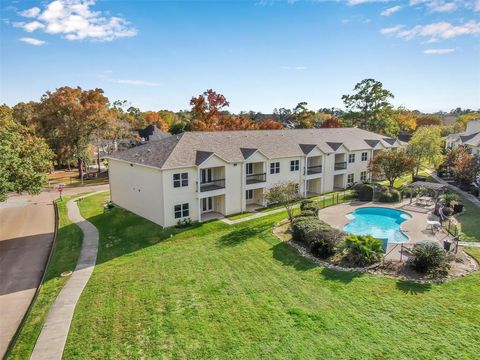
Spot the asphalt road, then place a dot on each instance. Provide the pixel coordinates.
(26, 234)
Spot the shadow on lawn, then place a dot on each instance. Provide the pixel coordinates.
(409, 287)
(289, 257)
(344, 277)
(239, 236)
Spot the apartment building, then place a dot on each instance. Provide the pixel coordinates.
(199, 174)
(470, 138)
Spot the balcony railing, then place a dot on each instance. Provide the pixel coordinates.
(316, 169)
(256, 178)
(212, 185)
(340, 165)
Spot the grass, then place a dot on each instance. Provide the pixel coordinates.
(239, 216)
(71, 179)
(235, 292)
(65, 255)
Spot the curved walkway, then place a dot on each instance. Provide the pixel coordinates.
(52, 339)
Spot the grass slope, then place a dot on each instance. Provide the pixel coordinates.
(236, 292)
(65, 255)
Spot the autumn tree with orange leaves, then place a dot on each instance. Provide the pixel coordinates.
(208, 115)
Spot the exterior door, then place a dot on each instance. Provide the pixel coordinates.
(207, 204)
(206, 176)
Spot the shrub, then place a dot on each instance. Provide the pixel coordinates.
(324, 241)
(182, 223)
(308, 205)
(429, 257)
(389, 195)
(305, 203)
(447, 211)
(301, 228)
(362, 250)
(364, 192)
(299, 218)
(449, 198)
(309, 213)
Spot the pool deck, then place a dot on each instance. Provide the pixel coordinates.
(415, 228)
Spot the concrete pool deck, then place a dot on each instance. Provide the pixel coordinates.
(415, 228)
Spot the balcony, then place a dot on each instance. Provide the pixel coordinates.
(340, 165)
(256, 178)
(212, 185)
(316, 169)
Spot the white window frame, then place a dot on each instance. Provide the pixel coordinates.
(181, 181)
(294, 165)
(275, 167)
(363, 176)
(183, 210)
(351, 158)
(249, 168)
(364, 156)
(348, 178)
(249, 194)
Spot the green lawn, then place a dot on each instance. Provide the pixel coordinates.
(235, 292)
(239, 216)
(64, 258)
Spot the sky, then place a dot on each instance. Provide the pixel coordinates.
(260, 54)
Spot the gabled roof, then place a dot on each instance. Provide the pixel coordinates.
(192, 148)
(202, 156)
(334, 145)
(372, 143)
(247, 152)
(389, 140)
(307, 148)
(468, 137)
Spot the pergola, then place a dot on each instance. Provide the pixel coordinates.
(435, 187)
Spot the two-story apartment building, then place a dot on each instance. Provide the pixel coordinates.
(470, 138)
(199, 173)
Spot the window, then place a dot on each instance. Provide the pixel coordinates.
(274, 168)
(351, 158)
(363, 176)
(249, 194)
(181, 211)
(180, 180)
(350, 179)
(206, 176)
(364, 156)
(294, 165)
(249, 169)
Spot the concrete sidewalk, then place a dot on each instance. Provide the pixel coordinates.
(52, 339)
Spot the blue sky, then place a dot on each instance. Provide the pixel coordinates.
(259, 54)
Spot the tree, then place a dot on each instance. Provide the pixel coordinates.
(207, 110)
(466, 168)
(68, 118)
(285, 194)
(406, 120)
(24, 158)
(429, 120)
(269, 124)
(302, 117)
(369, 108)
(154, 118)
(332, 122)
(179, 127)
(425, 147)
(392, 164)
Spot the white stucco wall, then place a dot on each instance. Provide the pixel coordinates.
(138, 189)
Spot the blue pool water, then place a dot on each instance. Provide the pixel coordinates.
(381, 223)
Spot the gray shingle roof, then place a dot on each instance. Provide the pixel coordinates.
(232, 146)
(246, 152)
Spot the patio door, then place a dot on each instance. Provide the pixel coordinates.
(206, 176)
(207, 204)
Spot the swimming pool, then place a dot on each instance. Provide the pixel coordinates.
(381, 223)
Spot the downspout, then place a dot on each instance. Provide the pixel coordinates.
(199, 208)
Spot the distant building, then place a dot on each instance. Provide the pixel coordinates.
(152, 133)
(470, 138)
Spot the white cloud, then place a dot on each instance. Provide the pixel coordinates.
(435, 31)
(476, 5)
(294, 67)
(438, 51)
(32, 41)
(134, 82)
(75, 20)
(441, 6)
(392, 30)
(391, 10)
(30, 12)
(359, 2)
